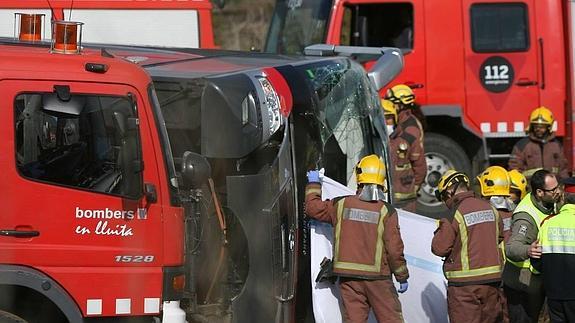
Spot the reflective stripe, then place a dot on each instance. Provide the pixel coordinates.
(559, 249)
(529, 172)
(404, 167)
(464, 240)
(400, 270)
(473, 272)
(376, 267)
(404, 196)
(313, 191)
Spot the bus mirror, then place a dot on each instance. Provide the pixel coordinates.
(387, 67)
(195, 170)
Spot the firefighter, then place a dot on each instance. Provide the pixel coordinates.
(468, 240)
(518, 188)
(557, 262)
(522, 283)
(404, 189)
(540, 149)
(495, 185)
(409, 159)
(365, 228)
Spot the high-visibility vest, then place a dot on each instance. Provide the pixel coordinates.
(526, 205)
(467, 270)
(557, 233)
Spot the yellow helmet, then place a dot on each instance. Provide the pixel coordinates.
(448, 179)
(400, 94)
(370, 170)
(518, 182)
(389, 109)
(541, 115)
(494, 181)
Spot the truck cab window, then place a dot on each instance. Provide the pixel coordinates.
(87, 142)
(378, 25)
(499, 27)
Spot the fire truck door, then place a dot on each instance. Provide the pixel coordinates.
(72, 184)
(390, 23)
(501, 64)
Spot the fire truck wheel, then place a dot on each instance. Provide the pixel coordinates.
(441, 154)
(6, 317)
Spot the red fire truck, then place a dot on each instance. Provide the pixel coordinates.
(166, 23)
(478, 67)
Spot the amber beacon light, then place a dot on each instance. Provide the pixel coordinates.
(66, 37)
(28, 27)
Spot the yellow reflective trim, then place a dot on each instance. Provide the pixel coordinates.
(473, 272)
(404, 196)
(464, 241)
(530, 172)
(400, 270)
(313, 191)
(497, 216)
(404, 167)
(376, 267)
(338, 228)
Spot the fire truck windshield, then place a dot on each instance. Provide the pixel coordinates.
(297, 23)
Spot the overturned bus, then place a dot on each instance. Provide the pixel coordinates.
(249, 127)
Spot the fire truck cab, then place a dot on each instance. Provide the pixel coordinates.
(86, 180)
(477, 67)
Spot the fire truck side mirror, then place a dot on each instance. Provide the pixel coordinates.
(195, 170)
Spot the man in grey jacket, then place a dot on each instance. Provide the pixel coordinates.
(522, 283)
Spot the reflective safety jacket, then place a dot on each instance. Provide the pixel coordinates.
(407, 156)
(367, 242)
(469, 242)
(526, 206)
(531, 154)
(557, 264)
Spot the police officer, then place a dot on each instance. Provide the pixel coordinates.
(557, 262)
(522, 284)
(407, 148)
(469, 242)
(402, 152)
(540, 149)
(368, 247)
(494, 182)
(518, 188)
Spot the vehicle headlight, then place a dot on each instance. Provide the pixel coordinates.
(272, 103)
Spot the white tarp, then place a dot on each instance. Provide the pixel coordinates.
(425, 300)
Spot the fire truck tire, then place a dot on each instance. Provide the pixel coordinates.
(441, 154)
(6, 317)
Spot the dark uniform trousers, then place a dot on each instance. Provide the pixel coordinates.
(356, 292)
(561, 311)
(474, 304)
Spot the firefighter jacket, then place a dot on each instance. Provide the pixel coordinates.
(531, 154)
(407, 156)
(506, 219)
(367, 242)
(469, 242)
(557, 263)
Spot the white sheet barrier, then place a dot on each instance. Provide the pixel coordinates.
(424, 301)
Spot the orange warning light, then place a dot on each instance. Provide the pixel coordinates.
(66, 37)
(28, 27)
